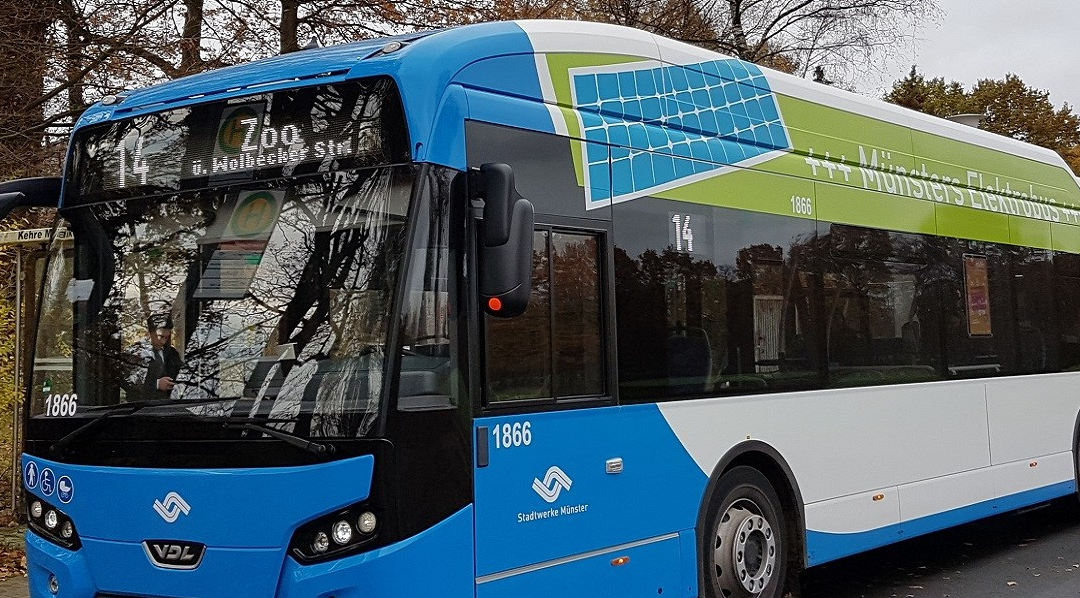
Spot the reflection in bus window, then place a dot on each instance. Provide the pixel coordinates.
(278, 297)
(555, 349)
(733, 313)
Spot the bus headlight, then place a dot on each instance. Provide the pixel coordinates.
(51, 523)
(334, 536)
(342, 532)
(366, 522)
(321, 543)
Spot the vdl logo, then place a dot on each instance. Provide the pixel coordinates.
(174, 554)
(173, 506)
(555, 481)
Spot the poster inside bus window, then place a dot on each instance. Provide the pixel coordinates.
(977, 295)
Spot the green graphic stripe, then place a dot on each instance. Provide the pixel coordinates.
(559, 66)
(841, 134)
(965, 223)
(861, 171)
(847, 205)
(1065, 237)
(765, 192)
(747, 189)
(847, 191)
(1031, 233)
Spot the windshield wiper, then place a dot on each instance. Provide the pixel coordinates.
(315, 448)
(108, 411)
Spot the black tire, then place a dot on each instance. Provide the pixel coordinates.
(1076, 462)
(745, 545)
(1076, 456)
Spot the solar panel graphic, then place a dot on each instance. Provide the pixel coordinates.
(670, 125)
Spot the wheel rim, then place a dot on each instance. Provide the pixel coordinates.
(745, 550)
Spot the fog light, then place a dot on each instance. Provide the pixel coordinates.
(35, 509)
(67, 530)
(342, 532)
(321, 542)
(54, 584)
(366, 522)
(51, 519)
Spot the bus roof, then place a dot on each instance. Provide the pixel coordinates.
(531, 66)
(458, 47)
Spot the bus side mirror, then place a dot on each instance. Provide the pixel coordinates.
(42, 192)
(506, 241)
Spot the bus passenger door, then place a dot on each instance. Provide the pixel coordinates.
(551, 502)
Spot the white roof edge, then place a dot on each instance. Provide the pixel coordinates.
(553, 36)
(606, 38)
(677, 52)
(785, 84)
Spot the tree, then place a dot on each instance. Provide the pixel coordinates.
(1008, 107)
(1072, 156)
(932, 97)
(25, 34)
(677, 19)
(1012, 108)
(66, 54)
(793, 36)
(810, 33)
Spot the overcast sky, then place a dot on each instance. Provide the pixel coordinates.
(1038, 40)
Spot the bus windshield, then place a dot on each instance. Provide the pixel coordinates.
(235, 258)
(274, 299)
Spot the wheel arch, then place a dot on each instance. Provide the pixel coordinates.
(767, 460)
(1076, 453)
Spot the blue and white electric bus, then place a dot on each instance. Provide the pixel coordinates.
(534, 309)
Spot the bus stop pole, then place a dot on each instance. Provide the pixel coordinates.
(16, 418)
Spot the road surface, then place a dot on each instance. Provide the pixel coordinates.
(1035, 554)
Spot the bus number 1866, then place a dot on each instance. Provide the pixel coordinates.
(510, 435)
(57, 405)
(804, 206)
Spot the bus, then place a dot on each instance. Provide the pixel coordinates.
(534, 308)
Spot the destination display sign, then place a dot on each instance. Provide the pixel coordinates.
(285, 133)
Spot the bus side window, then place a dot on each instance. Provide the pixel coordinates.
(1066, 276)
(980, 331)
(1032, 277)
(555, 349)
(713, 301)
(881, 309)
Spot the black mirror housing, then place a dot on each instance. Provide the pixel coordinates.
(41, 192)
(506, 241)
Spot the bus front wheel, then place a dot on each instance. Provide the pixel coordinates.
(744, 552)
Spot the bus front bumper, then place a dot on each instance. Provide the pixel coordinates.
(437, 561)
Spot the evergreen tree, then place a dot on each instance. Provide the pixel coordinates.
(1008, 107)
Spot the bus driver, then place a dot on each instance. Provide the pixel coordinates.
(161, 360)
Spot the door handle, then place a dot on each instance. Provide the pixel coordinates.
(614, 465)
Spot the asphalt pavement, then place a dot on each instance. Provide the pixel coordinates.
(1033, 554)
(14, 587)
(11, 537)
